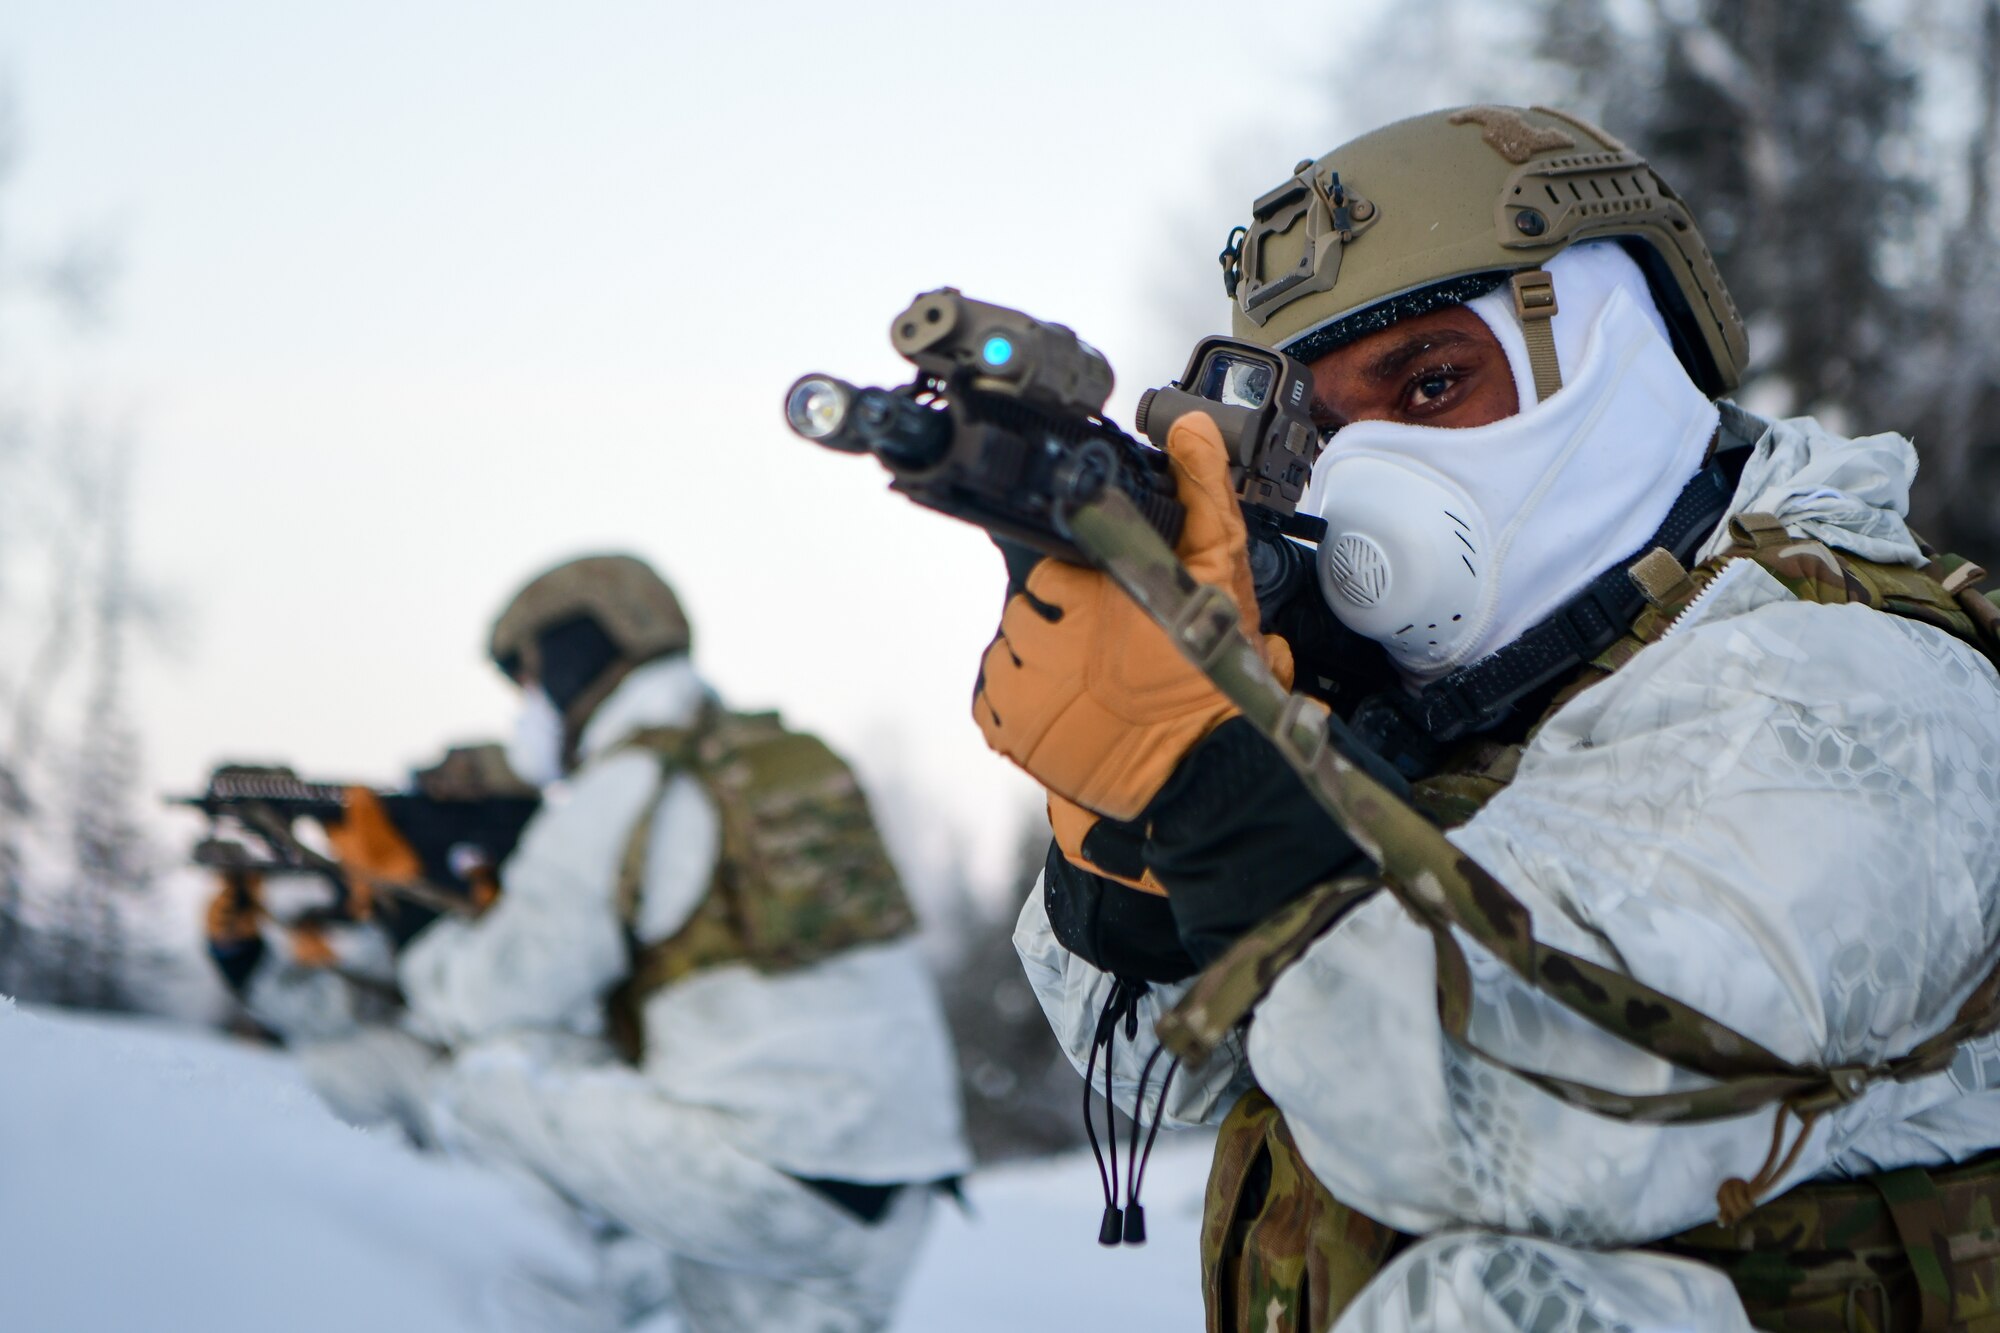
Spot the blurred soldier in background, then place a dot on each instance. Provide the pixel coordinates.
(308, 943)
(698, 1010)
(1690, 1024)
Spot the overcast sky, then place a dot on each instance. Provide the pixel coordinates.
(420, 298)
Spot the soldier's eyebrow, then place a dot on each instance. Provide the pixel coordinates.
(1390, 363)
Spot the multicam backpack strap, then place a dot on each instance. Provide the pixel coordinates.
(1278, 1253)
(801, 873)
(1943, 594)
(1223, 996)
(1904, 1251)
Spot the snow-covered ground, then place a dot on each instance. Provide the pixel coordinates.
(154, 1179)
(1028, 1256)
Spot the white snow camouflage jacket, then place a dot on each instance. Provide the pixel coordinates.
(1786, 815)
(303, 1003)
(842, 1069)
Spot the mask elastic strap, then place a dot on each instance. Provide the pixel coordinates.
(1535, 307)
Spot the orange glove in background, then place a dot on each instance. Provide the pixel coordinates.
(481, 877)
(235, 910)
(311, 947)
(1082, 689)
(368, 845)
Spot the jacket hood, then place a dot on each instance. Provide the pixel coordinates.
(1850, 494)
(663, 693)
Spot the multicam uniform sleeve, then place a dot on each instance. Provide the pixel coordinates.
(1073, 995)
(1781, 814)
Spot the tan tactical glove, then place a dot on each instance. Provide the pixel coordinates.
(1071, 824)
(1084, 691)
(370, 849)
(482, 878)
(235, 910)
(311, 947)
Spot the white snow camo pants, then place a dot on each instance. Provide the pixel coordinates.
(751, 1247)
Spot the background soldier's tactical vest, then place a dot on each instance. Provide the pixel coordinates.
(800, 875)
(1904, 1250)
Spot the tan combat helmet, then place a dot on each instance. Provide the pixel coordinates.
(632, 605)
(1442, 207)
(472, 773)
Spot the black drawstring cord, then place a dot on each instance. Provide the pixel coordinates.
(1090, 1129)
(1121, 1003)
(1112, 1228)
(1136, 1164)
(1135, 1216)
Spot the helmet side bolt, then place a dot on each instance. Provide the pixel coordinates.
(1530, 223)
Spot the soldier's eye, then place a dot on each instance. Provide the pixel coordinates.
(1429, 388)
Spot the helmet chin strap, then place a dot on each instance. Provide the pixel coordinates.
(1535, 306)
(1544, 339)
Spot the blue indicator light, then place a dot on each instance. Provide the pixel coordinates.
(998, 351)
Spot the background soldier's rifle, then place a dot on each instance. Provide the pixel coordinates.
(1003, 427)
(462, 820)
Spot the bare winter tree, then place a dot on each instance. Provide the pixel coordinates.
(1950, 379)
(108, 850)
(71, 843)
(1841, 158)
(1022, 1098)
(1840, 154)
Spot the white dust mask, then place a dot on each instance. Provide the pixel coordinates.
(1445, 545)
(535, 751)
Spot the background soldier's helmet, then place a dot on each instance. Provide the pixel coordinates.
(1443, 207)
(621, 596)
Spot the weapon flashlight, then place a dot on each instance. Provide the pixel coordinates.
(817, 407)
(898, 429)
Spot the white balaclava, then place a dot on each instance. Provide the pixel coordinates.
(535, 751)
(1445, 545)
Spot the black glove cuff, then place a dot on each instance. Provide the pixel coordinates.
(1235, 835)
(1118, 930)
(237, 960)
(1117, 847)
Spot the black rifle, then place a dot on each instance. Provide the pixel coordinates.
(458, 835)
(1003, 427)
